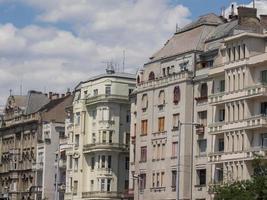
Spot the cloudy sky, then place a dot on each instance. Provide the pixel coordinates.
(51, 45)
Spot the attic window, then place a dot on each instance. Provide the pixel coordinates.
(151, 76)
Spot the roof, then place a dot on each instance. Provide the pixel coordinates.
(20, 100)
(190, 38)
(35, 101)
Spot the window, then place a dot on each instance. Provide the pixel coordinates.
(221, 144)
(92, 185)
(201, 177)
(164, 71)
(95, 92)
(174, 149)
(93, 163)
(77, 118)
(264, 140)
(264, 76)
(176, 95)
(109, 162)
(110, 137)
(219, 175)
(143, 157)
(76, 140)
(127, 163)
(70, 162)
(144, 102)
(204, 90)
(162, 179)
(126, 184)
(244, 50)
(202, 117)
(144, 127)
(76, 164)
(138, 79)
(161, 122)
(238, 52)
(102, 185)
(229, 54)
(161, 98)
(104, 137)
(202, 146)
(103, 160)
(264, 108)
(221, 115)
(174, 177)
(93, 138)
(128, 117)
(151, 76)
(175, 120)
(75, 187)
(222, 85)
(108, 184)
(234, 53)
(142, 182)
(108, 90)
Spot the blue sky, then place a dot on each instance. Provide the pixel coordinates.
(51, 45)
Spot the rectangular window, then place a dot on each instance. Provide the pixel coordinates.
(92, 185)
(162, 179)
(103, 160)
(244, 51)
(76, 164)
(264, 140)
(234, 53)
(77, 118)
(238, 52)
(219, 175)
(110, 137)
(161, 122)
(127, 163)
(95, 92)
(127, 139)
(142, 182)
(75, 187)
(144, 127)
(229, 54)
(76, 140)
(104, 137)
(221, 144)
(109, 162)
(221, 115)
(174, 149)
(202, 118)
(175, 120)
(264, 76)
(108, 90)
(143, 154)
(222, 85)
(102, 185)
(201, 176)
(93, 163)
(108, 185)
(70, 162)
(202, 146)
(174, 177)
(126, 184)
(264, 108)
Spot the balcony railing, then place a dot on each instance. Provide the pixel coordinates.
(103, 194)
(249, 92)
(101, 146)
(255, 121)
(107, 98)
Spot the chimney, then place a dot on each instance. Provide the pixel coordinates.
(247, 12)
(232, 16)
(263, 20)
(50, 95)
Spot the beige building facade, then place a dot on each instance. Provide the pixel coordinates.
(98, 160)
(210, 76)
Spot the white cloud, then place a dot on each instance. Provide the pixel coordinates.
(52, 58)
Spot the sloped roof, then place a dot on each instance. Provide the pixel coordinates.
(191, 37)
(35, 101)
(20, 100)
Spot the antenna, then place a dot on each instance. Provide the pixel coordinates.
(10, 92)
(20, 89)
(123, 61)
(254, 4)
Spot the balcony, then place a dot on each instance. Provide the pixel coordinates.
(37, 166)
(249, 92)
(257, 121)
(100, 195)
(105, 146)
(103, 98)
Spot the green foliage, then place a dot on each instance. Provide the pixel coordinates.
(253, 189)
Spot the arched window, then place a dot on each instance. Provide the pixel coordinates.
(204, 90)
(176, 95)
(161, 98)
(138, 79)
(151, 76)
(144, 102)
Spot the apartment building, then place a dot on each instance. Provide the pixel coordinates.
(98, 160)
(210, 77)
(18, 142)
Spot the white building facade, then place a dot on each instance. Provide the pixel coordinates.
(98, 162)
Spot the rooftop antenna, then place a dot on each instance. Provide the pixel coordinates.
(232, 10)
(10, 92)
(110, 68)
(254, 4)
(20, 89)
(123, 61)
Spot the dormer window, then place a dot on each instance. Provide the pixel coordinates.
(176, 95)
(151, 76)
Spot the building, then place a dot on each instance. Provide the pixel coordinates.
(51, 170)
(18, 142)
(199, 102)
(98, 160)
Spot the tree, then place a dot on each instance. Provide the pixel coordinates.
(253, 189)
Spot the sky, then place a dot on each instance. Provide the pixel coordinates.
(52, 45)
